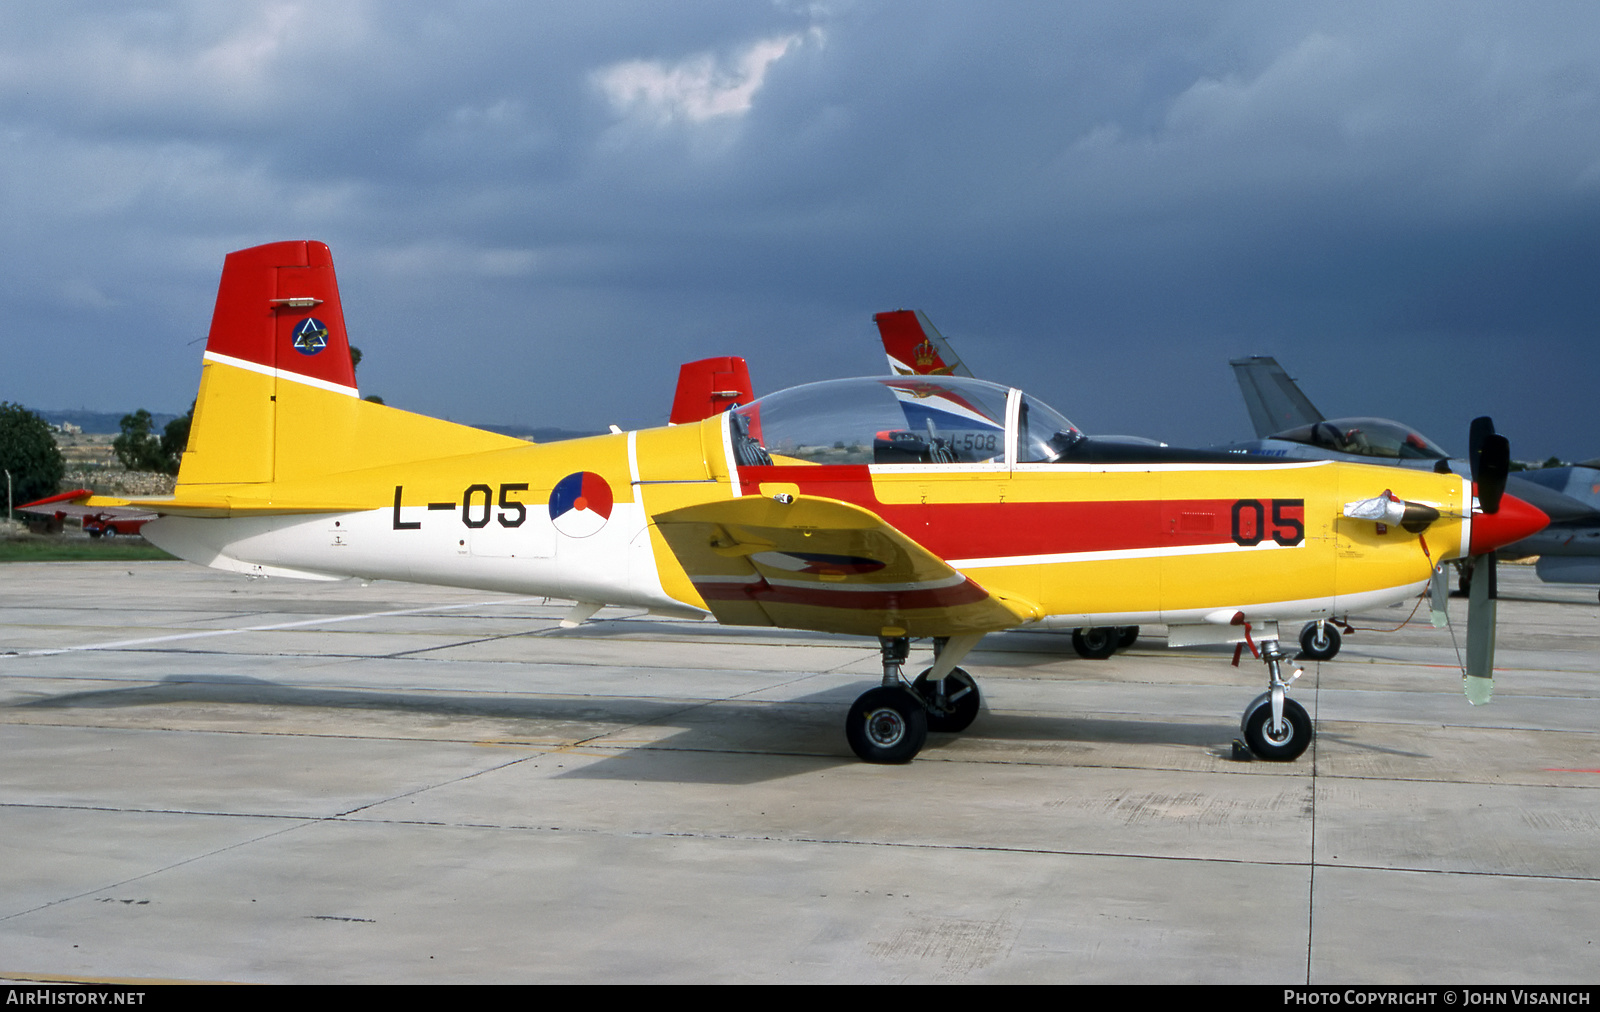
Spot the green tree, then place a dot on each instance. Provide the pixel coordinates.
(355, 361)
(137, 447)
(28, 451)
(175, 439)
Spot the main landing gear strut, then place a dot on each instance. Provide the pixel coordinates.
(1276, 727)
(890, 724)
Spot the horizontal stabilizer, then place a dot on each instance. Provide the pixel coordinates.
(220, 506)
(81, 503)
(822, 564)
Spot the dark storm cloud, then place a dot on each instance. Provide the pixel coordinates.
(538, 211)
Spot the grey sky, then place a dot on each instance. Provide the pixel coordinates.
(537, 211)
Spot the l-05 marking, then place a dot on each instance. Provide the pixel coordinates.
(513, 512)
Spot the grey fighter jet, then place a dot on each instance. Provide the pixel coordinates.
(1287, 424)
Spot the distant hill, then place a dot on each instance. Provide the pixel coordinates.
(99, 421)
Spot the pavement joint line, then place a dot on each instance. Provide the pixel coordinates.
(447, 782)
(273, 627)
(459, 643)
(351, 818)
(1311, 848)
(301, 820)
(307, 821)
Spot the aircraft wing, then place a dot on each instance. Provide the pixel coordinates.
(1273, 400)
(818, 563)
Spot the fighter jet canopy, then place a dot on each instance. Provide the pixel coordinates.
(1366, 437)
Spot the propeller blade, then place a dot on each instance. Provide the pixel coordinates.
(1482, 428)
(1494, 465)
(1482, 604)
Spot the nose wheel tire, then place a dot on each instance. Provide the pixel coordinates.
(887, 725)
(1284, 744)
(1096, 643)
(959, 706)
(1319, 642)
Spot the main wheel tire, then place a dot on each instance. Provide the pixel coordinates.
(1095, 643)
(1127, 636)
(961, 699)
(1320, 642)
(886, 725)
(1287, 746)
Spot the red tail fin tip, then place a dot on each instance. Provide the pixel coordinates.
(278, 313)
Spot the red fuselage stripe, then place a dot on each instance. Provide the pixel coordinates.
(1008, 529)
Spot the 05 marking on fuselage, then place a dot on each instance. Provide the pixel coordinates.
(1288, 522)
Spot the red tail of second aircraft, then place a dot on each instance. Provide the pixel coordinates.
(709, 387)
(915, 347)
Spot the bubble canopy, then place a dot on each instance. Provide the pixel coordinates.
(899, 420)
(1366, 437)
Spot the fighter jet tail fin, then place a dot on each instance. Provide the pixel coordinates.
(1273, 400)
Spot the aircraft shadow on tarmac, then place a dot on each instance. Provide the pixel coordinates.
(724, 732)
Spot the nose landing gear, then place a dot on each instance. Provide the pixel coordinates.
(1276, 727)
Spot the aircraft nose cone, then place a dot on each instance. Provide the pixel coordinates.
(1515, 521)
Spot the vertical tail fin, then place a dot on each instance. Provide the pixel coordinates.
(1271, 397)
(914, 347)
(278, 400)
(277, 318)
(708, 387)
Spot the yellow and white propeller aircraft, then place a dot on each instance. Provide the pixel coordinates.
(894, 507)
